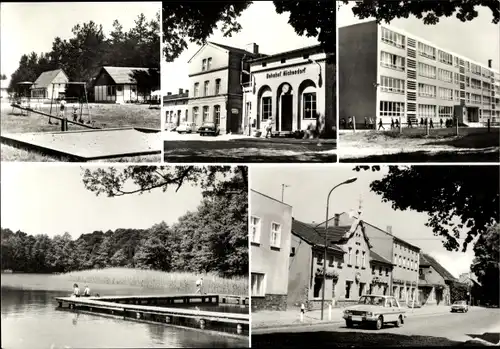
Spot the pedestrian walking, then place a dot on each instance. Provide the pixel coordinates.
(199, 284)
(392, 123)
(366, 122)
(397, 123)
(421, 122)
(380, 125)
(441, 122)
(343, 123)
(425, 122)
(431, 124)
(408, 120)
(371, 123)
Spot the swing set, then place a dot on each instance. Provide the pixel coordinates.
(22, 97)
(80, 100)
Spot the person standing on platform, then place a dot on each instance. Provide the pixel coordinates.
(199, 284)
(269, 128)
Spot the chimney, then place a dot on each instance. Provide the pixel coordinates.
(389, 229)
(253, 47)
(169, 93)
(180, 91)
(336, 220)
(489, 63)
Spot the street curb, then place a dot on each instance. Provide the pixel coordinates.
(276, 327)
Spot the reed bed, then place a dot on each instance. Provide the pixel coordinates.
(173, 282)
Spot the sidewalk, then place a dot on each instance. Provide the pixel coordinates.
(291, 317)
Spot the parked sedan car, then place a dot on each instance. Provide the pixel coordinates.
(376, 311)
(186, 127)
(459, 306)
(209, 128)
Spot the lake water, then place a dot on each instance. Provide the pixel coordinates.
(30, 321)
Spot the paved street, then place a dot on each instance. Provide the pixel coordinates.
(441, 329)
(238, 148)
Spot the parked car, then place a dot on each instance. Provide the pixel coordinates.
(376, 311)
(459, 306)
(186, 127)
(209, 128)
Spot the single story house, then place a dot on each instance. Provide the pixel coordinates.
(118, 85)
(50, 85)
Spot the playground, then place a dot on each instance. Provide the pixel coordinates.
(472, 144)
(38, 130)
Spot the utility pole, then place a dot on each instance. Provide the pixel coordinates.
(283, 186)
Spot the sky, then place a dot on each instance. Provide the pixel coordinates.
(260, 24)
(478, 39)
(33, 26)
(51, 199)
(307, 194)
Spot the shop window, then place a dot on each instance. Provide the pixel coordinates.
(310, 105)
(258, 285)
(266, 108)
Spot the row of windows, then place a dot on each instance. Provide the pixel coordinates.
(393, 61)
(274, 233)
(475, 84)
(445, 57)
(393, 109)
(426, 51)
(445, 75)
(446, 93)
(206, 88)
(404, 262)
(358, 264)
(196, 112)
(380, 270)
(426, 70)
(388, 84)
(393, 38)
(309, 106)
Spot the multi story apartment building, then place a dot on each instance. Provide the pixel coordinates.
(270, 239)
(216, 77)
(387, 74)
(293, 89)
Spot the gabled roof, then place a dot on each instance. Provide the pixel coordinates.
(46, 78)
(122, 75)
(378, 258)
(392, 235)
(343, 230)
(423, 262)
(439, 268)
(310, 235)
(183, 95)
(467, 278)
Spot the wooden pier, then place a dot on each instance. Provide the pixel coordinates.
(169, 310)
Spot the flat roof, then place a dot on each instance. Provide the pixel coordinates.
(424, 41)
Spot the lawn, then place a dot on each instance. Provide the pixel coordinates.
(442, 145)
(104, 116)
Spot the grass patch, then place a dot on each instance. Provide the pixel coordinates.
(174, 282)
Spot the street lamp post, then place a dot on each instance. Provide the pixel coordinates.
(348, 181)
(283, 186)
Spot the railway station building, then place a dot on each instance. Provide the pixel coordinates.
(386, 73)
(294, 89)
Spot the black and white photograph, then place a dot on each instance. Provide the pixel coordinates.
(80, 81)
(124, 256)
(419, 81)
(374, 256)
(249, 81)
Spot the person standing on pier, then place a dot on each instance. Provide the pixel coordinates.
(86, 292)
(76, 290)
(199, 285)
